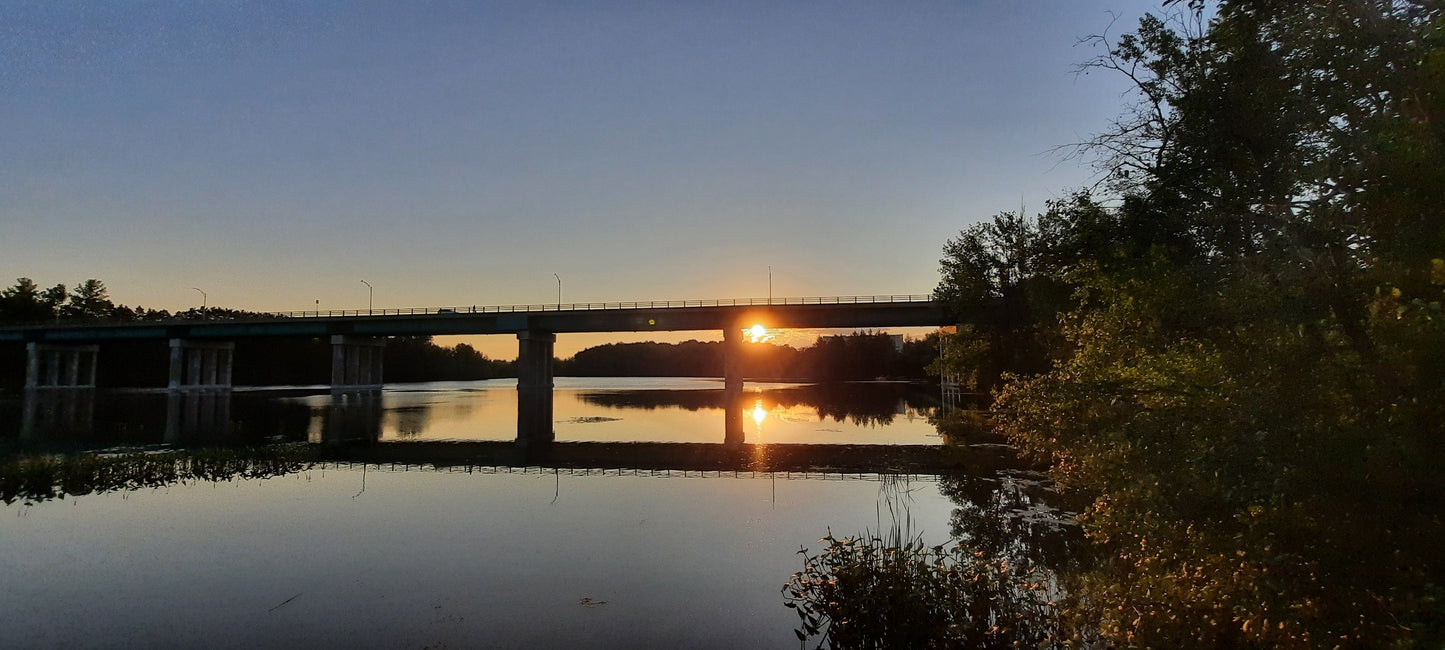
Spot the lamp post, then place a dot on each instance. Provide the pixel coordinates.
(368, 296)
(770, 284)
(203, 299)
(559, 290)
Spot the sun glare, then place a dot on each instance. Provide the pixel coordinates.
(758, 333)
(759, 413)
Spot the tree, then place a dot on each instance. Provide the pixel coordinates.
(1006, 281)
(27, 303)
(89, 301)
(1251, 389)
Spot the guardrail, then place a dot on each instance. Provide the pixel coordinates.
(595, 306)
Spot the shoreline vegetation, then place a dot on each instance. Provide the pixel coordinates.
(1231, 349)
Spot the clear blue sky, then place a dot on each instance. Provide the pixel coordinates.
(461, 153)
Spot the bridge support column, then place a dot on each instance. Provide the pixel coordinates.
(59, 389)
(534, 386)
(356, 362)
(198, 404)
(49, 365)
(200, 365)
(733, 385)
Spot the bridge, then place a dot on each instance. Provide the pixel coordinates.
(64, 356)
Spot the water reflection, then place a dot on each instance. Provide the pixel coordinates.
(69, 419)
(866, 404)
(353, 416)
(585, 410)
(197, 414)
(511, 498)
(769, 428)
(64, 411)
(994, 581)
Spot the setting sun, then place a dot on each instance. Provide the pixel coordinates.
(758, 333)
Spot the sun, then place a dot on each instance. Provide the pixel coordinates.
(758, 333)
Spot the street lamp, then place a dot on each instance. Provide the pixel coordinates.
(368, 296)
(203, 299)
(770, 284)
(559, 290)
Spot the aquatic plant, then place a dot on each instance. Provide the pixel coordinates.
(891, 590)
(867, 592)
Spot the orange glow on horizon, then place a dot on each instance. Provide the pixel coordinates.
(757, 333)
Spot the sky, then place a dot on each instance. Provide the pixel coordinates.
(460, 153)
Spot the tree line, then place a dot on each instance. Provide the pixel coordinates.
(863, 355)
(283, 361)
(26, 303)
(1234, 344)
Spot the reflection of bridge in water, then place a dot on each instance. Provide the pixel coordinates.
(349, 427)
(664, 456)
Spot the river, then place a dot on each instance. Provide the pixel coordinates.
(332, 552)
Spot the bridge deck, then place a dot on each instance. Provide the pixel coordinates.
(837, 312)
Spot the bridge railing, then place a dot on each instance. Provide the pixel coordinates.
(596, 306)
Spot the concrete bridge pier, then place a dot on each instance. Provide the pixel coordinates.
(59, 389)
(200, 365)
(54, 365)
(534, 386)
(198, 404)
(356, 362)
(733, 385)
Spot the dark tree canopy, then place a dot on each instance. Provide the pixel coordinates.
(1246, 370)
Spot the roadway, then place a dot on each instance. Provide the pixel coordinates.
(845, 312)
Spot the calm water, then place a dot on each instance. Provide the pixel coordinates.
(348, 555)
(657, 410)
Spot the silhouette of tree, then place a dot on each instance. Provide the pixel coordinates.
(26, 302)
(89, 300)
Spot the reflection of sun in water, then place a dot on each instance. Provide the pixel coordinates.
(759, 414)
(758, 333)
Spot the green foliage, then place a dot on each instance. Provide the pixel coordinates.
(1248, 379)
(1007, 280)
(1240, 475)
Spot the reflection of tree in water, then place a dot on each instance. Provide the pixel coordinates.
(1010, 516)
(33, 479)
(411, 421)
(995, 586)
(863, 404)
